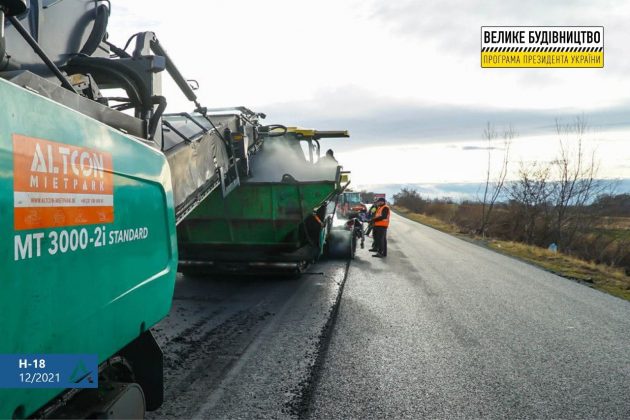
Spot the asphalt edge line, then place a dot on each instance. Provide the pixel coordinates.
(305, 403)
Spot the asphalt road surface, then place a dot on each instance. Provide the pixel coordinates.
(245, 347)
(443, 328)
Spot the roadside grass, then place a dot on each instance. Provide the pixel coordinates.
(599, 276)
(615, 227)
(433, 222)
(615, 223)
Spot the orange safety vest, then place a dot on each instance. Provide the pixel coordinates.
(384, 222)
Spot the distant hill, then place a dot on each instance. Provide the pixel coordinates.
(456, 191)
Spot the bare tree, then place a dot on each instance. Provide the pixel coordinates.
(530, 192)
(494, 182)
(576, 184)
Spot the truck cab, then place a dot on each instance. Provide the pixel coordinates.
(350, 202)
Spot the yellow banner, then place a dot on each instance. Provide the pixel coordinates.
(533, 59)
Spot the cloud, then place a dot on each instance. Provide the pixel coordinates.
(375, 120)
(460, 190)
(481, 148)
(425, 50)
(454, 25)
(446, 21)
(455, 191)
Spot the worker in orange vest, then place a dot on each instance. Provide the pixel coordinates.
(371, 213)
(381, 223)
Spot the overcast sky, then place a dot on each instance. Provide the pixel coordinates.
(402, 76)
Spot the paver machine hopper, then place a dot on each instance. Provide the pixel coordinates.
(278, 219)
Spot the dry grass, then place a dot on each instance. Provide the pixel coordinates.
(433, 222)
(615, 227)
(614, 223)
(599, 276)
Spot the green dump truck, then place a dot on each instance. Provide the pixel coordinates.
(279, 218)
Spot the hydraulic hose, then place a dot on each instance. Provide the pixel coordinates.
(274, 130)
(99, 30)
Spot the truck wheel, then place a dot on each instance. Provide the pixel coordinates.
(341, 244)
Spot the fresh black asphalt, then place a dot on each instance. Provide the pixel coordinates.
(444, 328)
